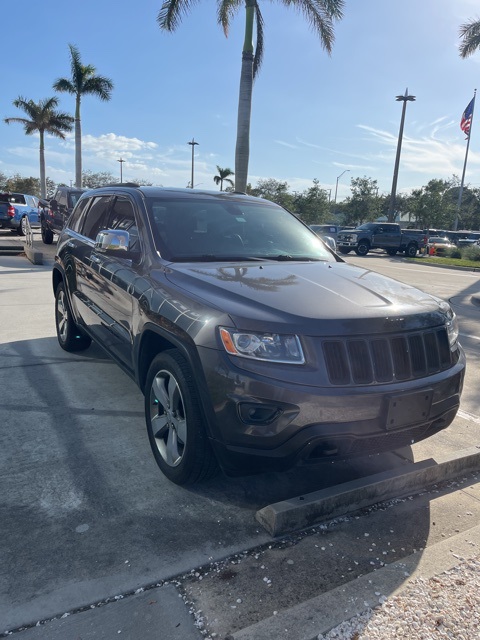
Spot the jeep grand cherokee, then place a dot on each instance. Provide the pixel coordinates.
(255, 346)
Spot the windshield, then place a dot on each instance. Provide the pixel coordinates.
(210, 229)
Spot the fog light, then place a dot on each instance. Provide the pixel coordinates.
(251, 413)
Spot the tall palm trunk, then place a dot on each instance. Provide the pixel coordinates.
(43, 179)
(78, 144)
(242, 149)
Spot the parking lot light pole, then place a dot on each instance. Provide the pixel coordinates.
(121, 161)
(336, 189)
(405, 98)
(192, 143)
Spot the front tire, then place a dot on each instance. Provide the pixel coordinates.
(175, 423)
(68, 335)
(362, 249)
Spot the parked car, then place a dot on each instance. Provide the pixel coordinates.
(380, 235)
(255, 346)
(464, 238)
(16, 209)
(329, 240)
(54, 217)
(439, 246)
(329, 230)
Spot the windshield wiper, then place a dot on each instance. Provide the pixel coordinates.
(286, 257)
(211, 257)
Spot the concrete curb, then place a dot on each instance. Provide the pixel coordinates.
(305, 511)
(36, 257)
(318, 615)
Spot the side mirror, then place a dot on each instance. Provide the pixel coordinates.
(112, 242)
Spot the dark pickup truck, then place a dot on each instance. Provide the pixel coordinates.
(381, 235)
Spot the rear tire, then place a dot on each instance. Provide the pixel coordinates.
(175, 423)
(69, 336)
(47, 235)
(21, 227)
(411, 251)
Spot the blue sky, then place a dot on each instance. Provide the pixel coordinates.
(313, 115)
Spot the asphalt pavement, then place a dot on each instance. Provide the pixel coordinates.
(98, 545)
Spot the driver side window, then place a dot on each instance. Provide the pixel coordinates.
(96, 218)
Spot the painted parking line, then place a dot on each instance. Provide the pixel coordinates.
(467, 335)
(468, 416)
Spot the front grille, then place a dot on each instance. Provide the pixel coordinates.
(382, 360)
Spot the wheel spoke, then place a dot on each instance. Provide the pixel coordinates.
(172, 391)
(181, 428)
(160, 391)
(172, 454)
(159, 426)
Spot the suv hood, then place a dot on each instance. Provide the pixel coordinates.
(299, 294)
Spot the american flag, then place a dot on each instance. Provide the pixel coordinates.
(467, 116)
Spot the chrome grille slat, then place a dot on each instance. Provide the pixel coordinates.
(389, 359)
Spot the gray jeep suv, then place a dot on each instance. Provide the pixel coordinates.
(255, 346)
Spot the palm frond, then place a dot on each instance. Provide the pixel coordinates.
(320, 14)
(258, 57)
(470, 35)
(225, 12)
(99, 86)
(64, 86)
(172, 12)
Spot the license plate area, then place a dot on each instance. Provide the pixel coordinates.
(408, 408)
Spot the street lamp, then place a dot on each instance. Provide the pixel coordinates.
(336, 189)
(192, 143)
(405, 98)
(121, 161)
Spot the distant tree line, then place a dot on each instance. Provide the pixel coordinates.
(90, 180)
(433, 206)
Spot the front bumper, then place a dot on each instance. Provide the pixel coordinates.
(258, 423)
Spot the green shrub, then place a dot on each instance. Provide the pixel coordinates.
(454, 253)
(472, 253)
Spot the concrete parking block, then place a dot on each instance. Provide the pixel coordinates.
(307, 510)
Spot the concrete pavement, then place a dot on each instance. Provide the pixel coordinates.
(293, 586)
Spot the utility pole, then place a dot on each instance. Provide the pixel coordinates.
(405, 98)
(192, 143)
(121, 161)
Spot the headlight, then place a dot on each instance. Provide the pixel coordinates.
(452, 330)
(353, 237)
(451, 323)
(271, 347)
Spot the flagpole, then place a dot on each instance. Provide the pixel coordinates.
(459, 203)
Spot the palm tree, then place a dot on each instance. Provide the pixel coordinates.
(42, 117)
(83, 82)
(320, 15)
(470, 34)
(223, 176)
